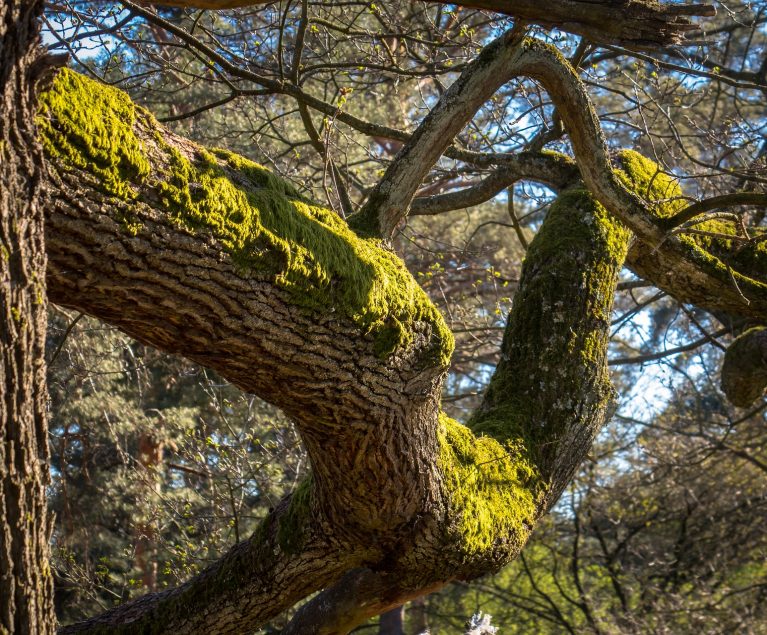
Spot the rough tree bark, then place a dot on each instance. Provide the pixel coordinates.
(26, 584)
(209, 256)
(205, 254)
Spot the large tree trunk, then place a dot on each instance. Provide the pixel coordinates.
(26, 589)
(207, 255)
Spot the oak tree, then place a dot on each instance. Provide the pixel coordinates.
(204, 253)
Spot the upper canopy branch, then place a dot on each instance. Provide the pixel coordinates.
(633, 24)
(691, 272)
(554, 170)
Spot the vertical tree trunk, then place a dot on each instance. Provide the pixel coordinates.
(418, 619)
(392, 622)
(26, 588)
(145, 533)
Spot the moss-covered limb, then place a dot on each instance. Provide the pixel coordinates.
(209, 256)
(551, 391)
(266, 227)
(715, 272)
(290, 555)
(677, 264)
(747, 260)
(744, 372)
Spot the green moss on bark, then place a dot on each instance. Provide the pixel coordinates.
(733, 258)
(552, 367)
(90, 126)
(292, 529)
(646, 178)
(260, 219)
(492, 487)
(550, 391)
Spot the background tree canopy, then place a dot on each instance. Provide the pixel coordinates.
(285, 421)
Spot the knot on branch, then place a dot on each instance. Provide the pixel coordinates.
(744, 372)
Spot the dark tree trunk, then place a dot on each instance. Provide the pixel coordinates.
(26, 589)
(392, 622)
(418, 619)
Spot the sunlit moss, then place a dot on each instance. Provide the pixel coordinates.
(260, 220)
(492, 486)
(711, 247)
(646, 178)
(90, 126)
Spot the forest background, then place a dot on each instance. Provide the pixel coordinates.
(159, 466)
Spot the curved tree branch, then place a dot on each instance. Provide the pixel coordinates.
(714, 279)
(555, 170)
(758, 199)
(255, 581)
(213, 258)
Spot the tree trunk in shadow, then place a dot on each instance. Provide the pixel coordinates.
(26, 584)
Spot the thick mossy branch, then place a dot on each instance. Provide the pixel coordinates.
(744, 262)
(645, 178)
(262, 222)
(90, 126)
(551, 391)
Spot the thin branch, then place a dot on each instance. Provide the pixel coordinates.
(714, 203)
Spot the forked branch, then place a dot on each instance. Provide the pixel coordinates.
(683, 268)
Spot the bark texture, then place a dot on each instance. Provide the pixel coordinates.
(205, 254)
(633, 23)
(744, 372)
(208, 255)
(26, 588)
